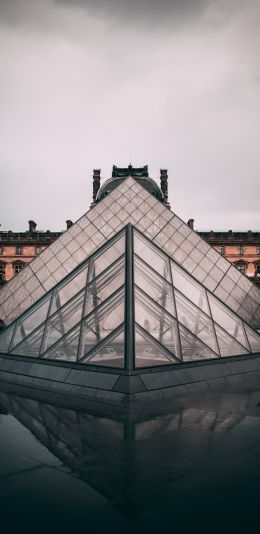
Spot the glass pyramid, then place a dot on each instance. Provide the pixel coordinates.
(130, 203)
(129, 306)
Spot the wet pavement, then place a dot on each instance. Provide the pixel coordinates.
(193, 468)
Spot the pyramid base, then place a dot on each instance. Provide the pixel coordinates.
(112, 388)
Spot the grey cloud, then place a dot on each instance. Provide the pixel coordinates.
(146, 10)
(24, 12)
(141, 15)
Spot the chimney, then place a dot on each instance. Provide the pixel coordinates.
(69, 224)
(164, 186)
(190, 224)
(96, 184)
(32, 226)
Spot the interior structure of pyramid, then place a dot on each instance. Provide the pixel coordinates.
(131, 203)
(174, 318)
(83, 312)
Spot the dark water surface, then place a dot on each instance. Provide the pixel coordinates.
(194, 468)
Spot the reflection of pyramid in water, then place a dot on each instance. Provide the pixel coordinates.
(129, 306)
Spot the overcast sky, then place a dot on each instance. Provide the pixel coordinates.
(90, 83)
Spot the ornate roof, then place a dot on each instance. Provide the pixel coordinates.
(130, 170)
(119, 174)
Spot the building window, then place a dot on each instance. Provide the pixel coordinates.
(37, 250)
(2, 272)
(240, 250)
(19, 250)
(18, 267)
(258, 249)
(241, 267)
(222, 249)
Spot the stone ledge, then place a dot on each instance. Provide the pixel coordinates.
(101, 386)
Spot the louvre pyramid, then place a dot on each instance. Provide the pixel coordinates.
(129, 306)
(131, 203)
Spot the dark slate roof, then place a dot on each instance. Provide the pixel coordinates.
(119, 174)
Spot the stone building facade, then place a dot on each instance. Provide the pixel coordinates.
(19, 248)
(242, 249)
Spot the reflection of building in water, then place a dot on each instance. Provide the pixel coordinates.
(122, 456)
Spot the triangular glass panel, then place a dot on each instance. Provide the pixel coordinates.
(149, 353)
(5, 338)
(105, 285)
(253, 338)
(31, 344)
(152, 256)
(63, 320)
(102, 322)
(67, 289)
(156, 322)
(31, 320)
(193, 348)
(227, 320)
(107, 256)
(228, 346)
(66, 349)
(196, 321)
(109, 353)
(154, 285)
(189, 287)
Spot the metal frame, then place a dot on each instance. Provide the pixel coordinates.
(128, 322)
(129, 301)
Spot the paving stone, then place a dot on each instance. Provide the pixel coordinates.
(92, 379)
(50, 372)
(129, 384)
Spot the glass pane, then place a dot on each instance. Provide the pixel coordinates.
(193, 348)
(110, 353)
(104, 320)
(31, 345)
(230, 322)
(156, 322)
(104, 286)
(151, 255)
(66, 290)
(228, 345)
(195, 321)
(253, 338)
(189, 287)
(31, 320)
(105, 258)
(148, 353)
(63, 320)
(155, 286)
(66, 349)
(5, 338)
